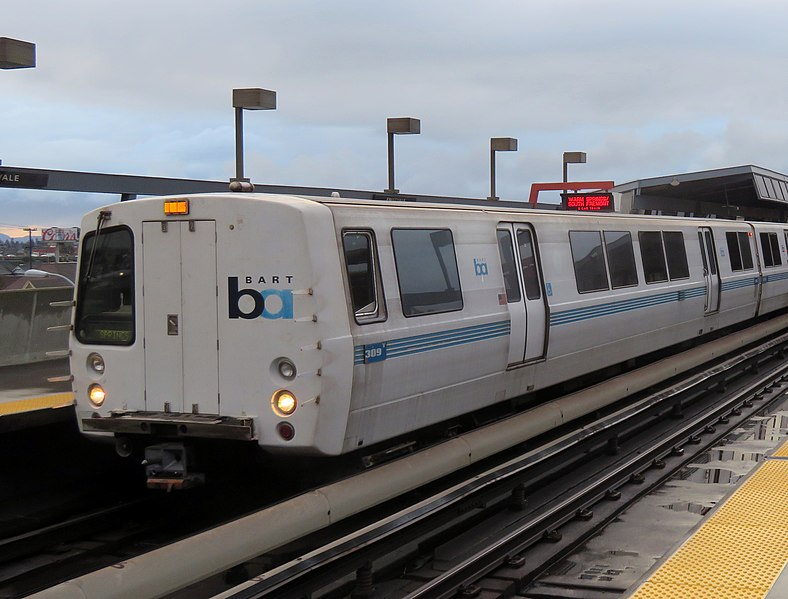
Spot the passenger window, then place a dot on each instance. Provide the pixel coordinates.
(363, 274)
(770, 248)
(506, 250)
(739, 250)
(528, 264)
(429, 281)
(766, 250)
(653, 256)
(676, 253)
(620, 259)
(776, 255)
(589, 261)
(746, 251)
(733, 250)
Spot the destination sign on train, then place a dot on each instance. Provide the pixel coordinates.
(588, 202)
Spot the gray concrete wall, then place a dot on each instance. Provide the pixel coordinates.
(25, 315)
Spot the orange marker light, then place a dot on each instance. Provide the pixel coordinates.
(173, 207)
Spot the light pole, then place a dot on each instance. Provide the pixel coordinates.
(249, 99)
(499, 144)
(398, 126)
(573, 158)
(16, 54)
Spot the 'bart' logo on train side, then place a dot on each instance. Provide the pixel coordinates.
(272, 304)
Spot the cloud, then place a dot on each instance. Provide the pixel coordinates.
(145, 87)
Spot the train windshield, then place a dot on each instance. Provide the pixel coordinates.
(105, 298)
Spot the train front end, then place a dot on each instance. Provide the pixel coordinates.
(203, 321)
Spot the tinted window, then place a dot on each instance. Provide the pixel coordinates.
(733, 250)
(786, 237)
(746, 251)
(766, 250)
(506, 250)
(652, 256)
(776, 254)
(363, 276)
(105, 305)
(770, 247)
(676, 254)
(429, 282)
(589, 262)
(528, 264)
(710, 252)
(703, 254)
(620, 259)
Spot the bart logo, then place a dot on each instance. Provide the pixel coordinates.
(268, 303)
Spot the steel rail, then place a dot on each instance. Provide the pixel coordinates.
(214, 551)
(286, 574)
(476, 566)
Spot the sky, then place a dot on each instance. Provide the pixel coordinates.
(144, 88)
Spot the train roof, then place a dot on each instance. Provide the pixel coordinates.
(438, 203)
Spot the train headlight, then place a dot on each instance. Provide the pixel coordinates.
(284, 402)
(96, 363)
(287, 369)
(96, 395)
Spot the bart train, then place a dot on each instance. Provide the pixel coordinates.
(318, 326)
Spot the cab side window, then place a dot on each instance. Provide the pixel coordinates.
(363, 274)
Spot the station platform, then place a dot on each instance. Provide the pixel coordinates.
(740, 550)
(27, 398)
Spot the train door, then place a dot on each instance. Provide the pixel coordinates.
(180, 321)
(519, 260)
(711, 271)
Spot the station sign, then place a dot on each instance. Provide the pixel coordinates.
(588, 202)
(11, 178)
(57, 234)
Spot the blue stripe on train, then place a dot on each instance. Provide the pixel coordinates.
(587, 312)
(432, 341)
(417, 344)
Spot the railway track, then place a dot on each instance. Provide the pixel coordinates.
(497, 531)
(506, 518)
(56, 542)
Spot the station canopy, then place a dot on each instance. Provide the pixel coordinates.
(739, 192)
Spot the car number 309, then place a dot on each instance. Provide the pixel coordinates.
(374, 352)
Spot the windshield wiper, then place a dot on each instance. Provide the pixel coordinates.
(103, 216)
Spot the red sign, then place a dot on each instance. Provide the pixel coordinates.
(57, 234)
(588, 202)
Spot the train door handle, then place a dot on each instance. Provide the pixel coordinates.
(172, 324)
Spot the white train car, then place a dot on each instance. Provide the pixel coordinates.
(317, 326)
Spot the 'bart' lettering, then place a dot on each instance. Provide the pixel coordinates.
(281, 302)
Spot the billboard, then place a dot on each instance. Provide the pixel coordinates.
(57, 234)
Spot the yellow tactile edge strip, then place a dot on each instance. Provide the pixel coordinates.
(782, 452)
(740, 551)
(56, 400)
